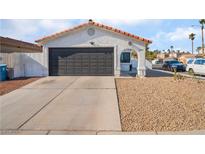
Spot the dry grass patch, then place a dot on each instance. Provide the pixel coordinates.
(10, 85)
(161, 104)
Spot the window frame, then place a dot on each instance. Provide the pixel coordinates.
(125, 61)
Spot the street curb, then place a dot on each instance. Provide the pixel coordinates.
(103, 132)
(185, 75)
(193, 132)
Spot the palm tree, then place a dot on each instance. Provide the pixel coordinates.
(172, 47)
(192, 37)
(202, 22)
(168, 50)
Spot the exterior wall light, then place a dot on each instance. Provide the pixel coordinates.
(92, 43)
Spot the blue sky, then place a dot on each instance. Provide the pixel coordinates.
(163, 33)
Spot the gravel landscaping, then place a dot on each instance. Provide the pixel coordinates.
(161, 104)
(10, 85)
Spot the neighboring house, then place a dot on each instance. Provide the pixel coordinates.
(161, 56)
(184, 58)
(22, 57)
(200, 51)
(92, 49)
(174, 54)
(171, 55)
(200, 56)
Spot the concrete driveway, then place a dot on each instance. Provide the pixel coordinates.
(61, 105)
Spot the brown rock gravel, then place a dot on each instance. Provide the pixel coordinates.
(161, 104)
(10, 85)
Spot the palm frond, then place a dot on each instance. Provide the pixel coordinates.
(202, 21)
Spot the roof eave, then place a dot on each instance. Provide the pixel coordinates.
(91, 23)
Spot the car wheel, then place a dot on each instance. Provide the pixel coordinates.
(165, 68)
(191, 71)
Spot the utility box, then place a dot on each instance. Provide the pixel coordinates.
(3, 72)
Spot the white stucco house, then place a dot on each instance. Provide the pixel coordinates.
(91, 49)
(87, 49)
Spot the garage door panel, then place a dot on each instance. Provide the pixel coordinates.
(81, 61)
(62, 63)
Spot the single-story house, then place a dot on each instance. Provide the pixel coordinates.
(162, 56)
(92, 48)
(87, 49)
(23, 58)
(174, 54)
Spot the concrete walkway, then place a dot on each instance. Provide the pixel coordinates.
(61, 105)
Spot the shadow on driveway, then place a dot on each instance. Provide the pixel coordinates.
(156, 73)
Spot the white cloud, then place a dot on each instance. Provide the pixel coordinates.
(179, 38)
(25, 28)
(30, 30)
(55, 25)
(21, 27)
(179, 34)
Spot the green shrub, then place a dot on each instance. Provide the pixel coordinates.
(178, 76)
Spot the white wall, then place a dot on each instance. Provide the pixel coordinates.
(134, 63)
(148, 64)
(102, 38)
(25, 64)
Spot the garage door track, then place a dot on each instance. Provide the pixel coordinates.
(61, 105)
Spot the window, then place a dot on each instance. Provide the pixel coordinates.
(203, 62)
(197, 62)
(190, 61)
(125, 57)
(200, 62)
(157, 62)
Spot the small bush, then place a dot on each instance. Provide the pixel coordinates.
(178, 76)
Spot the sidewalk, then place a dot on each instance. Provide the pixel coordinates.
(64, 132)
(185, 74)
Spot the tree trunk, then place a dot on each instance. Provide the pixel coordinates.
(202, 28)
(192, 43)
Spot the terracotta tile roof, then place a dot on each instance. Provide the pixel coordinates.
(92, 23)
(5, 41)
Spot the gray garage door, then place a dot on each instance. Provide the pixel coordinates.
(81, 61)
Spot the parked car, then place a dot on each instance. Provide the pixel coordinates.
(157, 61)
(157, 64)
(172, 65)
(196, 66)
